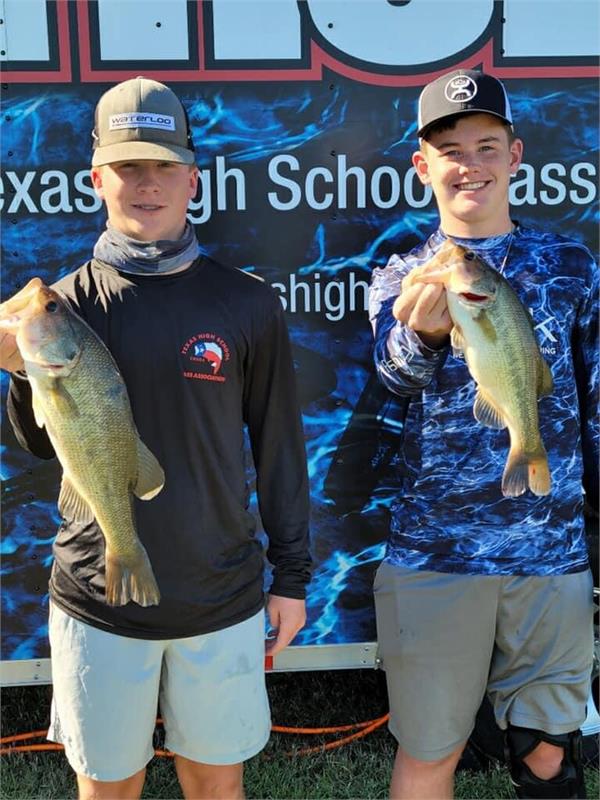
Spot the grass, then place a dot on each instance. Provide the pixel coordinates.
(360, 769)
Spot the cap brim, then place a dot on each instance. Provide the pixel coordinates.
(141, 151)
(421, 133)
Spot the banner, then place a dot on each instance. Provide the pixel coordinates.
(304, 121)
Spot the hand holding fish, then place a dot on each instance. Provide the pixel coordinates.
(10, 356)
(423, 308)
(11, 359)
(495, 332)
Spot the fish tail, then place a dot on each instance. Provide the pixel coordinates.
(526, 471)
(515, 480)
(130, 579)
(539, 473)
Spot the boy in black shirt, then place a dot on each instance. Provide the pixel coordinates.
(204, 351)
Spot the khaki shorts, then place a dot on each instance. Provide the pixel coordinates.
(444, 639)
(212, 692)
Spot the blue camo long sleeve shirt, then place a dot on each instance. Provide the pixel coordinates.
(451, 515)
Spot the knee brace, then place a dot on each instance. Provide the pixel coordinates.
(569, 783)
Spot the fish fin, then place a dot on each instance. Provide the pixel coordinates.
(486, 325)
(130, 579)
(38, 412)
(71, 504)
(486, 412)
(150, 477)
(545, 381)
(526, 471)
(62, 401)
(456, 339)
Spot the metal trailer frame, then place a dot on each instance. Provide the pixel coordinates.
(305, 658)
(362, 655)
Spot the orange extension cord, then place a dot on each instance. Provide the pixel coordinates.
(361, 728)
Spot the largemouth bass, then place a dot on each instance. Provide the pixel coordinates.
(80, 398)
(495, 333)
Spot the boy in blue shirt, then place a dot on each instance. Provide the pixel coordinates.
(480, 592)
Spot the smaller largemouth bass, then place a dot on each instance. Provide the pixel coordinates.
(80, 398)
(495, 332)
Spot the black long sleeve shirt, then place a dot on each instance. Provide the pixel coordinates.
(204, 353)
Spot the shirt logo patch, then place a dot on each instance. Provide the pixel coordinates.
(204, 355)
(549, 344)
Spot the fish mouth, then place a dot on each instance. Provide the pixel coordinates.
(55, 370)
(475, 298)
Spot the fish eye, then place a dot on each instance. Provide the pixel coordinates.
(51, 306)
(470, 255)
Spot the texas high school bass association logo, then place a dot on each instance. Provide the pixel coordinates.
(204, 355)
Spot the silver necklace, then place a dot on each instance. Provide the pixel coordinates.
(505, 259)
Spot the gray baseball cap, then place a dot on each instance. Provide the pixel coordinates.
(463, 91)
(141, 119)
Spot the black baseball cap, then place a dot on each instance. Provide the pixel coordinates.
(462, 91)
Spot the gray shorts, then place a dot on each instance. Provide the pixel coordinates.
(444, 639)
(213, 698)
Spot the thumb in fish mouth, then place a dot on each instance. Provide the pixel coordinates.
(439, 276)
(10, 310)
(10, 324)
(18, 301)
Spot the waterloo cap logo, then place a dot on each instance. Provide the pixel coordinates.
(135, 119)
(460, 89)
(205, 354)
